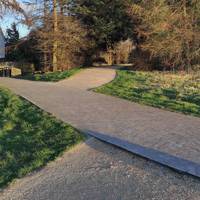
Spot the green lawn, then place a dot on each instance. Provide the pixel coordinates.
(29, 137)
(163, 90)
(51, 76)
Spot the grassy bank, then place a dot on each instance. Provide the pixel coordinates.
(163, 90)
(29, 137)
(51, 76)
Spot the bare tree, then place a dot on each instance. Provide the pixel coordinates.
(169, 31)
(123, 49)
(61, 38)
(8, 5)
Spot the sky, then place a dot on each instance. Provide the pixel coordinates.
(9, 18)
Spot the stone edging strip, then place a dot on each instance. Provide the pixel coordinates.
(177, 163)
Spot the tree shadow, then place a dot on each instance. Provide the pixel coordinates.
(144, 158)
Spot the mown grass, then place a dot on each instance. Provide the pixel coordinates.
(29, 137)
(175, 92)
(51, 76)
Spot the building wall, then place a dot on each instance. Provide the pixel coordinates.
(2, 45)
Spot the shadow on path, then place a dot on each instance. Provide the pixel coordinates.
(171, 161)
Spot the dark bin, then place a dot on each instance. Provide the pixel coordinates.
(8, 72)
(5, 72)
(1, 72)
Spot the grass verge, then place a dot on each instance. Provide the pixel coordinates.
(170, 91)
(29, 137)
(51, 76)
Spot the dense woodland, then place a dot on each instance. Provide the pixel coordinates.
(151, 34)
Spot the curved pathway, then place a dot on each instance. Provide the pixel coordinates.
(169, 138)
(94, 170)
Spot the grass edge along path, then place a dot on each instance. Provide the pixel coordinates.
(51, 76)
(162, 90)
(29, 137)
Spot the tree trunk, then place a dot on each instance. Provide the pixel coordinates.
(110, 55)
(61, 5)
(45, 28)
(55, 31)
(187, 46)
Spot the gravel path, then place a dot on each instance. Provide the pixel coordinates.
(71, 101)
(98, 171)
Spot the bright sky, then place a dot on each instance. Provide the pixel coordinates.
(8, 19)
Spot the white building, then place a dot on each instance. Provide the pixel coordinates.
(2, 44)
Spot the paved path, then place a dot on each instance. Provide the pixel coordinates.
(174, 138)
(98, 171)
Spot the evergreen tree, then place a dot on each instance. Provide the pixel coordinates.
(107, 21)
(12, 34)
(12, 40)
